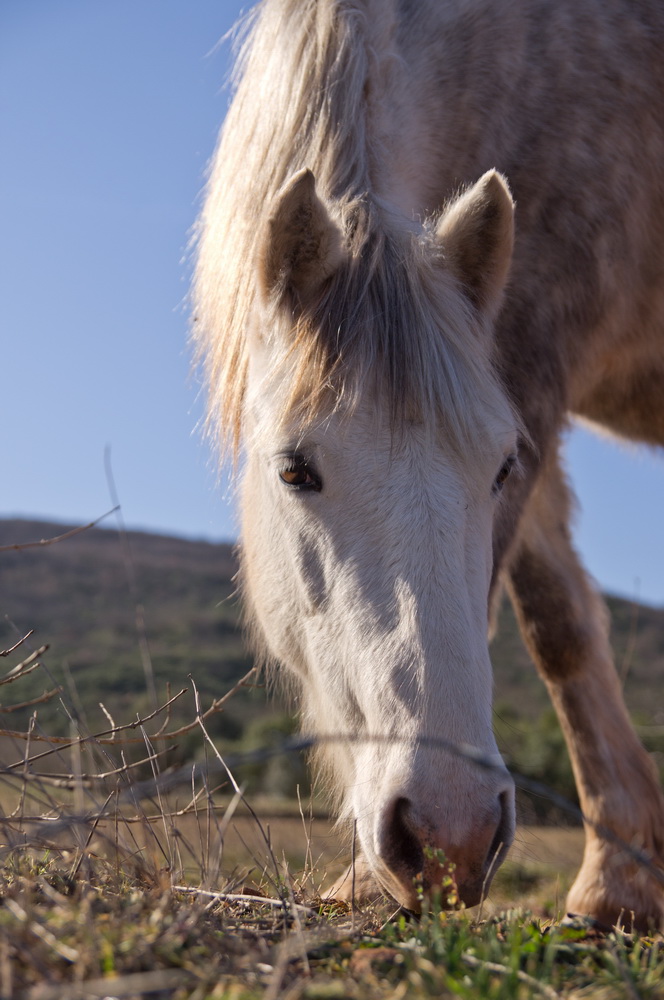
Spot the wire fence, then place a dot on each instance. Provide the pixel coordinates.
(58, 794)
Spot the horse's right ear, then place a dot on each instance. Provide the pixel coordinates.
(302, 245)
(477, 235)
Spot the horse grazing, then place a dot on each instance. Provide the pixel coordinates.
(397, 351)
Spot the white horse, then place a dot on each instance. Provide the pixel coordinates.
(400, 399)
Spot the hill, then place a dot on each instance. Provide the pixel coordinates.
(81, 597)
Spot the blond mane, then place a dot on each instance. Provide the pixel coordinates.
(391, 313)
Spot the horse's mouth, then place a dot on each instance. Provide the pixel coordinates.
(420, 874)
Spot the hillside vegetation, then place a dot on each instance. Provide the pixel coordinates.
(108, 606)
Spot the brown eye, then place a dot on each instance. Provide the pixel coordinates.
(504, 473)
(298, 475)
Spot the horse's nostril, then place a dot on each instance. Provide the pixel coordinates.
(472, 853)
(398, 845)
(503, 836)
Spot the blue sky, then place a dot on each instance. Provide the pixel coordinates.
(108, 115)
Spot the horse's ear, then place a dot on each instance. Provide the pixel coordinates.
(477, 234)
(302, 244)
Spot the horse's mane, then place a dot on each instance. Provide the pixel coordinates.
(310, 78)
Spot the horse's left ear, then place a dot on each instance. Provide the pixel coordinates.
(477, 234)
(302, 243)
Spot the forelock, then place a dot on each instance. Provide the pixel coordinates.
(392, 324)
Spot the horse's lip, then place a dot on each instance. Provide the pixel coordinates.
(471, 895)
(471, 892)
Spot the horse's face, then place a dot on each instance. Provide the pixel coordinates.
(367, 566)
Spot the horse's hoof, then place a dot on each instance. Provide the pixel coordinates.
(627, 898)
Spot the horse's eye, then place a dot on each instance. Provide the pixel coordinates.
(503, 475)
(298, 475)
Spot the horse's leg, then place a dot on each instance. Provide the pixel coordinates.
(358, 884)
(565, 626)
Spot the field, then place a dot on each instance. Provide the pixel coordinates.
(117, 885)
(132, 868)
(145, 904)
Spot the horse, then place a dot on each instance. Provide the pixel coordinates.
(431, 233)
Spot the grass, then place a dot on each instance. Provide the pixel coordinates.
(112, 889)
(104, 932)
(118, 881)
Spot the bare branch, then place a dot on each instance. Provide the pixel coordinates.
(19, 546)
(87, 780)
(108, 715)
(232, 897)
(46, 696)
(214, 707)
(65, 742)
(20, 669)
(6, 652)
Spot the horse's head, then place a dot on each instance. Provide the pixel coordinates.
(379, 443)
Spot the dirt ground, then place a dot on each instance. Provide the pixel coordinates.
(537, 873)
(244, 852)
(236, 851)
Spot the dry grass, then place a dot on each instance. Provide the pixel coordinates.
(121, 878)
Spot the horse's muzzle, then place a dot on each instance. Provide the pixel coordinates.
(417, 859)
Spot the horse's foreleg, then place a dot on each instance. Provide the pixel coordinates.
(565, 626)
